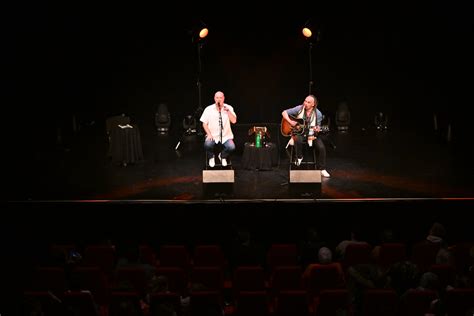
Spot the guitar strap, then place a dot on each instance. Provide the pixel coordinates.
(311, 121)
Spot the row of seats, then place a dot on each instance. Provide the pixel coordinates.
(248, 278)
(248, 303)
(207, 266)
(423, 254)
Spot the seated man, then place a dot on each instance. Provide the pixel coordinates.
(216, 120)
(305, 121)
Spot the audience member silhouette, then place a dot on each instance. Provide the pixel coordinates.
(444, 256)
(437, 235)
(362, 277)
(470, 270)
(429, 281)
(245, 251)
(465, 278)
(127, 308)
(158, 284)
(309, 247)
(324, 255)
(355, 239)
(206, 306)
(403, 275)
(324, 258)
(129, 257)
(386, 236)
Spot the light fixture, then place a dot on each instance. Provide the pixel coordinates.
(310, 31)
(343, 117)
(189, 125)
(199, 32)
(203, 32)
(162, 118)
(307, 32)
(189, 132)
(307, 29)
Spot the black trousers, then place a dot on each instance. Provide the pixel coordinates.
(318, 145)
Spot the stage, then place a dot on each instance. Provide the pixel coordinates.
(364, 163)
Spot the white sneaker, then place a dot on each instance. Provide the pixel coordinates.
(298, 161)
(224, 162)
(325, 174)
(212, 162)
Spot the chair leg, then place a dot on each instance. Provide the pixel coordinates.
(314, 159)
(291, 156)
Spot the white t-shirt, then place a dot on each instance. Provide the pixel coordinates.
(212, 118)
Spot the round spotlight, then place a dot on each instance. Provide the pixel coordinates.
(307, 32)
(203, 33)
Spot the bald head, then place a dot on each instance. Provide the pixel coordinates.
(219, 98)
(310, 102)
(324, 255)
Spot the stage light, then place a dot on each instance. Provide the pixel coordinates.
(189, 125)
(311, 31)
(307, 32)
(199, 31)
(343, 117)
(162, 118)
(203, 32)
(307, 29)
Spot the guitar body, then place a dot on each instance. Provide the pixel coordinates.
(288, 130)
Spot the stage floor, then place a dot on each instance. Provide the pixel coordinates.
(363, 163)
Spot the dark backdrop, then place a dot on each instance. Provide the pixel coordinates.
(87, 61)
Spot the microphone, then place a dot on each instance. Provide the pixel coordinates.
(220, 124)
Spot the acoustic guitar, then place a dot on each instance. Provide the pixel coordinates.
(299, 129)
(288, 130)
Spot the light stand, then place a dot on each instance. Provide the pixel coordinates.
(199, 110)
(196, 37)
(310, 83)
(199, 38)
(308, 35)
